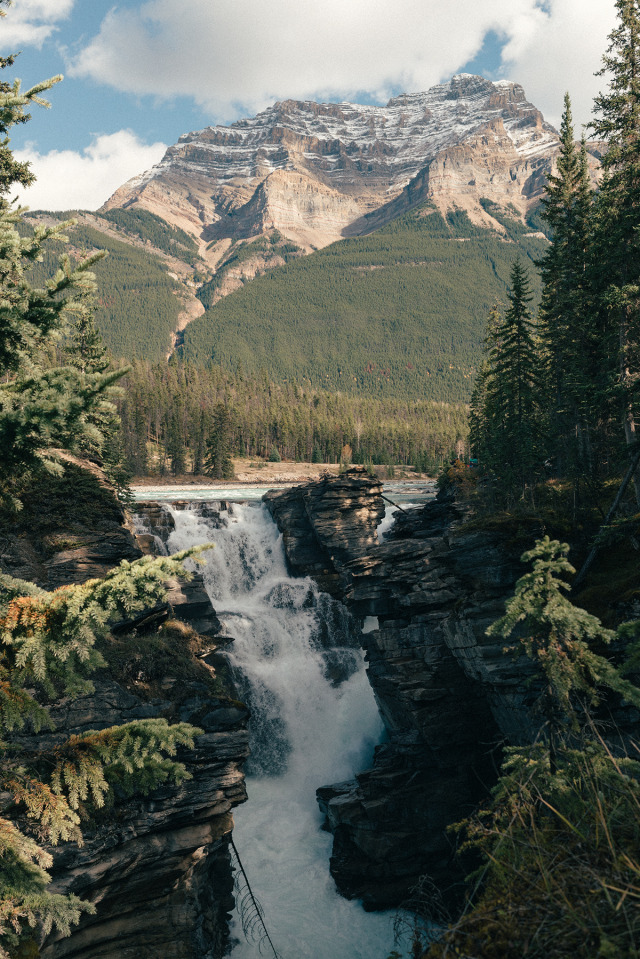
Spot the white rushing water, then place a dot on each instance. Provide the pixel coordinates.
(314, 722)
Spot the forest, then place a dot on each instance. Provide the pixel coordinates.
(553, 430)
(169, 416)
(137, 303)
(398, 313)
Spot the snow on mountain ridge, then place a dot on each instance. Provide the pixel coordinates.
(397, 139)
(320, 172)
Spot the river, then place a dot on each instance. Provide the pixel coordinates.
(314, 722)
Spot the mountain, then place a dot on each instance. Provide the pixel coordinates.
(399, 313)
(406, 217)
(320, 171)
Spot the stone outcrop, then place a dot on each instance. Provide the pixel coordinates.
(317, 172)
(157, 867)
(449, 696)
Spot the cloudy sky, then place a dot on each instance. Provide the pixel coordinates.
(138, 73)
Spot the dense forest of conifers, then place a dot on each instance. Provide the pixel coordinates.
(169, 415)
(398, 313)
(138, 302)
(150, 228)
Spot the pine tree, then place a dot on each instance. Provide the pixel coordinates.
(47, 649)
(558, 838)
(218, 461)
(85, 349)
(558, 637)
(618, 236)
(41, 408)
(48, 640)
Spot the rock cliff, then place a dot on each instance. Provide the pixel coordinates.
(449, 696)
(157, 867)
(319, 171)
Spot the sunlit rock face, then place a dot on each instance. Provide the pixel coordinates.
(320, 171)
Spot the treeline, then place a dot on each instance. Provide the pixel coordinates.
(147, 226)
(397, 313)
(171, 414)
(558, 393)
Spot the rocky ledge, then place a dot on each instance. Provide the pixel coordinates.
(449, 696)
(157, 867)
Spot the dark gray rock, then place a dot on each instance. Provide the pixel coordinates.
(448, 695)
(157, 867)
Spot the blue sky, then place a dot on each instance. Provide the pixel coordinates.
(141, 72)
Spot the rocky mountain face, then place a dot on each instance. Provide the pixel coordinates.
(317, 172)
(157, 867)
(448, 694)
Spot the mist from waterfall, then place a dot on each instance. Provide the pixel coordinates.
(314, 722)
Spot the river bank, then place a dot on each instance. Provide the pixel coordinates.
(262, 473)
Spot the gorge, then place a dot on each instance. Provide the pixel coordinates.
(291, 612)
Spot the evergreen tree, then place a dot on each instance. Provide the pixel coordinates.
(506, 405)
(558, 637)
(48, 640)
(558, 838)
(218, 461)
(47, 649)
(617, 270)
(573, 362)
(40, 407)
(85, 349)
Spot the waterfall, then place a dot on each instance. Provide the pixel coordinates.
(314, 721)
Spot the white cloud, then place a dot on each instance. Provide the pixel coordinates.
(233, 55)
(68, 180)
(560, 52)
(30, 22)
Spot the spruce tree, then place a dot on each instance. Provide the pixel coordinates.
(572, 359)
(559, 836)
(41, 407)
(218, 461)
(559, 637)
(507, 411)
(48, 640)
(48, 649)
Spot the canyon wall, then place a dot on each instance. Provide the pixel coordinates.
(157, 867)
(448, 694)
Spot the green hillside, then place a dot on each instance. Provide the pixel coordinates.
(147, 226)
(137, 303)
(398, 313)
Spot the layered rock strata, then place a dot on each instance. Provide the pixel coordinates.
(156, 867)
(448, 695)
(319, 171)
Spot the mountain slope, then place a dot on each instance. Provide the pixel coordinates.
(400, 312)
(419, 208)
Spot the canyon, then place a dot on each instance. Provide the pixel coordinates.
(448, 695)
(418, 597)
(157, 867)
